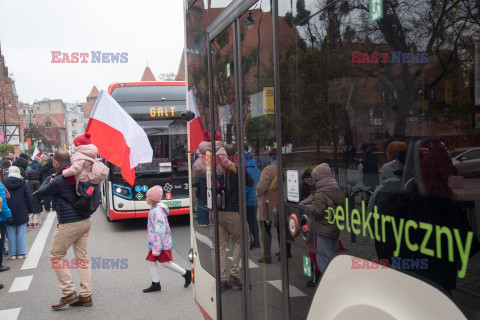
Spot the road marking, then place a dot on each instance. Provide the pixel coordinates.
(35, 252)
(200, 237)
(251, 264)
(294, 292)
(21, 284)
(10, 314)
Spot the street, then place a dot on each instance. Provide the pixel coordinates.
(117, 287)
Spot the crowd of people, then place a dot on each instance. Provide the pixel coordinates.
(261, 203)
(21, 178)
(30, 186)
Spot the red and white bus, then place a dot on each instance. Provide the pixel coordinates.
(157, 107)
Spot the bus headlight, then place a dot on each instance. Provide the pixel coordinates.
(190, 255)
(122, 191)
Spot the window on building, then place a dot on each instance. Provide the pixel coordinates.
(48, 124)
(74, 120)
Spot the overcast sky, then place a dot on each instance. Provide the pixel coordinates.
(146, 29)
(31, 29)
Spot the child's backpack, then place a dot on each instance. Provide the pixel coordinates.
(89, 200)
(99, 172)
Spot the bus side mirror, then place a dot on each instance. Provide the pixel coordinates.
(188, 115)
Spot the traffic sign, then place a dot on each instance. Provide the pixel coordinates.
(144, 188)
(138, 188)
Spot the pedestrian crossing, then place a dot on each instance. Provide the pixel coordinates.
(20, 284)
(204, 239)
(33, 257)
(251, 264)
(31, 262)
(10, 314)
(294, 291)
(277, 284)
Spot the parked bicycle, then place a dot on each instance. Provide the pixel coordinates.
(358, 194)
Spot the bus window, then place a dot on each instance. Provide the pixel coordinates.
(167, 134)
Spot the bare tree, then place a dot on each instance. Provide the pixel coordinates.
(166, 76)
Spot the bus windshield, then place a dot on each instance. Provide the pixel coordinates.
(169, 143)
(157, 110)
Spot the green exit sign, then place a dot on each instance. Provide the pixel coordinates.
(376, 10)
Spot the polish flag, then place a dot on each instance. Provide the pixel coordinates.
(36, 153)
(196, 125)
(119, 139)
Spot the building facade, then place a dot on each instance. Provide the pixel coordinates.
(74, 123)
(87, 107)
(53, 123)
(11, 124)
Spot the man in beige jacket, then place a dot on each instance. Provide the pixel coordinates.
(267, 195)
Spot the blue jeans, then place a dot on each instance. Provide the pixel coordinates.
(17, 239)
(202, 212)
(48, 203)
(3, 230)
(326, 248)
(253, 225)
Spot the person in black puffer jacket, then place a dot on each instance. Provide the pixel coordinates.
(34, 219)
(72, 229)
(63, 192)
(44, 172)
(22, 164)
(21, 204)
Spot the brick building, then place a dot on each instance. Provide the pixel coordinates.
(87, 107)
(11, 124)
(45, 122)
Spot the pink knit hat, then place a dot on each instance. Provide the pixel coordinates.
(321, 171)
(155, 193)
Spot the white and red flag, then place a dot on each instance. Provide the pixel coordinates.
(196, 125)
(36, 153)
(119, 139)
